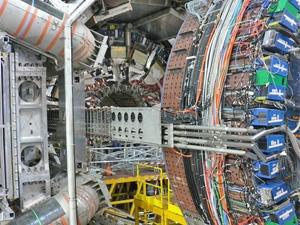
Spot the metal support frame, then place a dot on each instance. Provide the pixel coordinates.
(6, 172)
(33, 48)
(70, 7)
(97, 58)
(131, 124)
(98, 125)
(102, 51)
(128, 39)
(69, 107)
(29, 132)
(79, 121)
(164, 3)
(111, 13)
(123, 158)
(224, 140)
(118, 189)
(147, 190)
(137, 125)
(156, 16)
(6, 213)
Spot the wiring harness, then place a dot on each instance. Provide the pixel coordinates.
(243, 70)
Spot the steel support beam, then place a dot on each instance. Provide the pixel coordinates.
(69, 108)
(156, 16)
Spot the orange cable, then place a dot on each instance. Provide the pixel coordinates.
(218, 96)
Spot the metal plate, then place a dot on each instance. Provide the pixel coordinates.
(176, 174)
(177, 64)
(173, 90)
(238, 80)
(172, 99)
(161, 25)
(29, 132)
(133, 124)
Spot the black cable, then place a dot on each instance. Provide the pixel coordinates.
(199, 160)
(197, 196)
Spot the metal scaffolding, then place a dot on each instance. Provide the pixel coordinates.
(123, 158)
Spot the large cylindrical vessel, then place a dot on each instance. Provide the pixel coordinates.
(42, 26)
(55, 211)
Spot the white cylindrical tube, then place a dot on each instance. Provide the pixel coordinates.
(43, 27)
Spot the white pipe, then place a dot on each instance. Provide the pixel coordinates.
(216, 128)
(69, 108)
(44, 30)
(210, 149)
(297, 127)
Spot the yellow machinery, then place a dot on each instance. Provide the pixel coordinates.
(146, 195)
(153, 200)
(123, 189)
